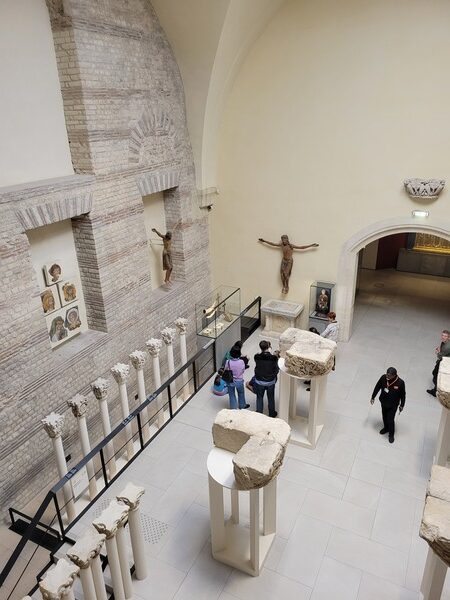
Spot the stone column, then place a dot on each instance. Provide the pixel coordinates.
(100, 389)
(131, 496)
(168, 335)
(154, 346)
(78, 405)
(181, 324)
(121, 372)
(111, 523)
(83, 554)
(53, 425)
(58, 581)
(138, 361)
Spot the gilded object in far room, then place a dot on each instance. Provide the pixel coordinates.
(431, 243)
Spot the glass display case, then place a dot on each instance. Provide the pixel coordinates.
(218, 311)
(321, 302)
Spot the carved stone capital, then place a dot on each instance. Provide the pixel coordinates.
(100, 388)
(435, 526)
(138, 358)
(154, 346)
(131, 495)
(78, 405)
(113, 517)
(53, 424)
(86, 548)
(424, 188)
(181, 323)
(168, 335)
(120, 372)
(59, 580)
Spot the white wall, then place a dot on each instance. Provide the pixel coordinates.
(335, 105)
(56, 243)
(32, 128)
(154, 216)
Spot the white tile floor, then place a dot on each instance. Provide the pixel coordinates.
(348, 511)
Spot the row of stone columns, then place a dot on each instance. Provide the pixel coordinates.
(54, 422)
(84, 556)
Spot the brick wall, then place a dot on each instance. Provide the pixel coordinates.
(125, 117)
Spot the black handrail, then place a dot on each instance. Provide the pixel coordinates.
(98, 449)
(51, 494)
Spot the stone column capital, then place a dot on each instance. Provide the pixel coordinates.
(78, 405)
(86, 548)
(154, 346)
(53, 424)
(59, 580)
(131, 495)
(168, 335)
(181, 324)
(100, 388)
(120, 372)
(138, 358)
(111, 519)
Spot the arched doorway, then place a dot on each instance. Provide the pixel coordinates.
(348, 259)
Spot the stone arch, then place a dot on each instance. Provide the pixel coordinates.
(154, 124)
(348, 259)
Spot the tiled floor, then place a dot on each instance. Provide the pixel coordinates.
(348, 511)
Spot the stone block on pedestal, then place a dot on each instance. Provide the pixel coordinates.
(257, 463)
(443, 382)
(435, 526)
(233, 428)
(258, 442)
(279, 316)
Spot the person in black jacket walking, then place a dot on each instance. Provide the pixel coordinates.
(393, 396)
(266, 371)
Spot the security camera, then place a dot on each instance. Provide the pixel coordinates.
(208, 207)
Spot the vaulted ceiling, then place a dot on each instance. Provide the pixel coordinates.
(210, 40)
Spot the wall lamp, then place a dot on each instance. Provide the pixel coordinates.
(420, 213)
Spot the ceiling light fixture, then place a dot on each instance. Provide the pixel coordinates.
(420, 213)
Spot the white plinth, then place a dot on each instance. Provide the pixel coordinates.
(279, 315)
(232, 543)
(304, 431)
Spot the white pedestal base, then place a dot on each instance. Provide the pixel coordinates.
(304, 431)
(279, 315)
(433, 577)
(443, 439)
(232, 543)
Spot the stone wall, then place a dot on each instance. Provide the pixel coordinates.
(125, 117)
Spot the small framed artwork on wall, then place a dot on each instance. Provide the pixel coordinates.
(50, 300)
(53, 272)
(57, 330)
(72, 320)
(68, 291)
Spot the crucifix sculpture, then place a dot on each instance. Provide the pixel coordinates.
(287, 261)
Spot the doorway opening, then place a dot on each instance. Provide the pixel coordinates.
(397, 242)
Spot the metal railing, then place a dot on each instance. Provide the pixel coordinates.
(49, 517)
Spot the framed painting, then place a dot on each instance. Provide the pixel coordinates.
(50, 300)
(68, 291)
(53, 272)
(57, 330)
(72, 320)
(323, 300)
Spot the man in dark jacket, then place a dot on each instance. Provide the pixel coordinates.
(442, 350)
(393, 394)
(266, 371)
